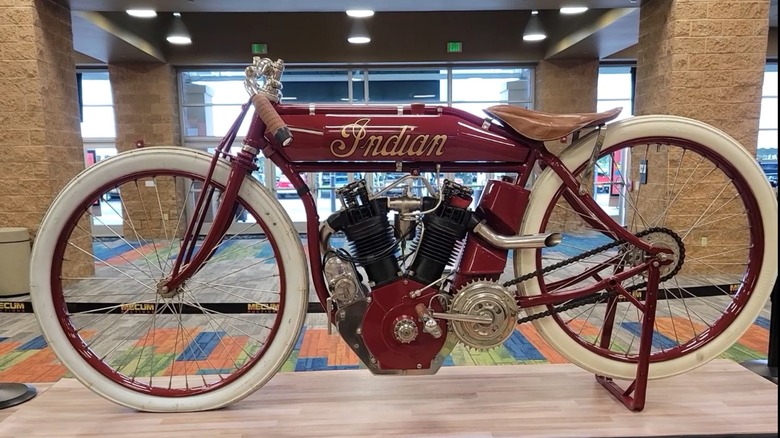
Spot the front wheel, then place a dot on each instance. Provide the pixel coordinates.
(98, 300)
(676, 183)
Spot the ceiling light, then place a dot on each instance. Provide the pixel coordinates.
(359, 33)
(569, 10)
(360, 13)
(141, 13)
(178, 33)
(423, 96)
(359, 40)
(534, 30)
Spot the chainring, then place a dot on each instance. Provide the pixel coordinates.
(484, 298)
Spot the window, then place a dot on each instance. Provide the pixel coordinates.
(211, 100)
(400, 86)
(766, 152)
(97, 106)
(767, 125)
(615, 90)
(474, 89)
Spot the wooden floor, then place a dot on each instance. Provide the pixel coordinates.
(527, 400)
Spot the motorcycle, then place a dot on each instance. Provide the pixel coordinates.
(193, 314)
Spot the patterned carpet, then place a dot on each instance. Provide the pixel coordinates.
(25, 357)
(31, 360)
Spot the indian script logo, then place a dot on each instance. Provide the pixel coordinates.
(404, 144)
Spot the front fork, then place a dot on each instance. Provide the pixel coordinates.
(187, 263)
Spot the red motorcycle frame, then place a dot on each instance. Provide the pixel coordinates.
(419, 138)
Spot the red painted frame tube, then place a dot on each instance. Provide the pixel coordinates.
(224, 215)
(590, 204)
(557, 298)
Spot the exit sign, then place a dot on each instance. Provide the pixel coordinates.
(454, 47)
(259, 49)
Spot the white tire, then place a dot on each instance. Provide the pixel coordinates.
(577, 156)
(290, 254)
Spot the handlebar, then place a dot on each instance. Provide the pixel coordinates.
(265, 94)
(273, 122)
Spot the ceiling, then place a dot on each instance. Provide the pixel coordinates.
(314, 32)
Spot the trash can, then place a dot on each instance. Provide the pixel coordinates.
(14, 261)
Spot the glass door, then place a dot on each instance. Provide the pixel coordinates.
(107, 212)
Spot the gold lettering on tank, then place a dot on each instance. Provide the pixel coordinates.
(356, 141)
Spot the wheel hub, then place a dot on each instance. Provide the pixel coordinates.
(672, 261)
(167, 292)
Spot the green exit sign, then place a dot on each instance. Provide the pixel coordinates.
(259, 49)
(454, 47)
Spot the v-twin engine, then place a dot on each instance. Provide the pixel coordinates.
(435, 225)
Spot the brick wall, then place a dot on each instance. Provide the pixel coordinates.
(566, 86)
(146, 108)
(146, 104)
(40, 138)
(703, 60)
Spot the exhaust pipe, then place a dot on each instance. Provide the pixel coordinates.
(544, 240)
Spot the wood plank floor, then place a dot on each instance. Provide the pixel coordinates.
(530, 401)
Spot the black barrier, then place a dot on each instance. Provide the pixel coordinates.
(159, 308)
(313, 307)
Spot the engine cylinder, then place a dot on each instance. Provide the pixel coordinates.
(365, 224)
(370, 240)
(443, 234)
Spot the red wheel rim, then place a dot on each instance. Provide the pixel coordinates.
(740, 297)
(80, 345)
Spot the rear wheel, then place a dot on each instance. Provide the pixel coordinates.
(210, 343)
(693, 190)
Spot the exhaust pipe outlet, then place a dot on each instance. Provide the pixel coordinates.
(543, 240)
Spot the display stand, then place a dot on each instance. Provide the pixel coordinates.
(633, 397)
(12, 394)
(768, 368)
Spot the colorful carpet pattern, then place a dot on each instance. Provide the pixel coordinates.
(33, 361)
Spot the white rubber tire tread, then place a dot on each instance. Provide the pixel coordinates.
(654, 126)
(181, 159)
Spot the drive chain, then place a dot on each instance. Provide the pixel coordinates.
(598, 296)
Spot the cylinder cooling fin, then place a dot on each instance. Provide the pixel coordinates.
(372, 240)
(443, 232)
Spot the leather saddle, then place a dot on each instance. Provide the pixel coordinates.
(541, 126)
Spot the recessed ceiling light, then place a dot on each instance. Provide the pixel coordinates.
(534, 37)
(179, 40)
(141, 13)
(569, 10)
(360, 13)
(359, 40)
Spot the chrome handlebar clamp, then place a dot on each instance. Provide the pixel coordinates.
(264, 76)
